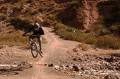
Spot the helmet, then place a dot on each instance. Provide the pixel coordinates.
(37, 24)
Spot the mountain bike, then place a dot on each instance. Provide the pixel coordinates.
(35, 45)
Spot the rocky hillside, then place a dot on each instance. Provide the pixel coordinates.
(85, 14)
(99, 16)
(78, 13)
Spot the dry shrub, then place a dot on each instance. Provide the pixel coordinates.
(12, 39)
(108, 42)
(70, 33)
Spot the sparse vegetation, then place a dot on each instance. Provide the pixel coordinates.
(20, 23)
(2, 16)
(17, 6)
(12, 39)
(108, 42)
(11, 35)
(70, 33)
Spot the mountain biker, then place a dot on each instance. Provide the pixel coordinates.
(34, 38)
(36, 29)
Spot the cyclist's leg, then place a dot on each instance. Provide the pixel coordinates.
(30, 39)
(39, 41)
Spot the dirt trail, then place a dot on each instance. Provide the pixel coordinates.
(54, 51)
(91, 63)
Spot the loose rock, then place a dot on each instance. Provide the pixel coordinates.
(110, 76)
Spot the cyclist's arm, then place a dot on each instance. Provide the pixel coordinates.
(28, 31)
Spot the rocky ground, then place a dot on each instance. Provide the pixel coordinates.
(62, 59)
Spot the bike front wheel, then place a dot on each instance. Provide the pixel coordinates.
(34, 50)
(35, 44)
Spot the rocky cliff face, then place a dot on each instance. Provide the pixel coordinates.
(7, 1)
(83, 15)
(77, 13)
(88, 12)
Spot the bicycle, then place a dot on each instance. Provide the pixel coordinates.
(35, 45)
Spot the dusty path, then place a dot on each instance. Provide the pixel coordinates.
(57, 52)
(54, 51)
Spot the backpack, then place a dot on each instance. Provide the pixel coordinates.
(41, 32)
